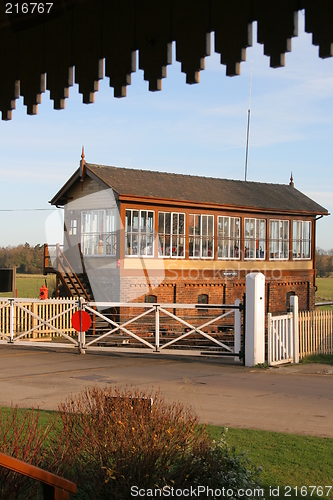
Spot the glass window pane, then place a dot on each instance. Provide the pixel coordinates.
(204, 225)
(161, 216)
(191, 224)
(150, 222)
(197, 225)
(182, 224)
(128, 220)
(210, 225)
(143, 221)
(135, 220)
(219, 226)
(174, 223)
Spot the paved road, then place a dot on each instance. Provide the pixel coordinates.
(295, 399)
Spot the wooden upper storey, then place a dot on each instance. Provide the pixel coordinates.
(118, 212)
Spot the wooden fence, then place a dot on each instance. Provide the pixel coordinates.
(26, 316)
(315, 332)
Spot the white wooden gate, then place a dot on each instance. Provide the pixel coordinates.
(283, 340)
(280, 339)
(136, 327)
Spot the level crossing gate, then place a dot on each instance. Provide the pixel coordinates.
(193, 329)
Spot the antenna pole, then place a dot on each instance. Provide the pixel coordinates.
(248, 124)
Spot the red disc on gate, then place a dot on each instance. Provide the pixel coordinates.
(81, 321)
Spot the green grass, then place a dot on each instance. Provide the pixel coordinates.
(324, 292)
(28, 285)
(286, 459)
(325, 289)
(318, 358)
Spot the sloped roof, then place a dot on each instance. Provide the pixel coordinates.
(127, 182)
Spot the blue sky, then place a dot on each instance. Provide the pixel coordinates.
(198, 129)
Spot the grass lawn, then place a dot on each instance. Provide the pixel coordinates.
(325, 291)
(318, 358)
(286, 460)
(28, 285)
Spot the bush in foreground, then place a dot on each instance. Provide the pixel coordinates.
(22, 437)
(108, 441)
(130, 442)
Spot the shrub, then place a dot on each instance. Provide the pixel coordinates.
(21, 437)
(110, 440)
(120, 440)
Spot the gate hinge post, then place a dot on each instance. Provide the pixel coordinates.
(157, 328)
(11, 320)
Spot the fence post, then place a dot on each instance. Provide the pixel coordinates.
(81, 334)
(294, 308)
(157, 328)
(269, 339)
(34, 320)
(255, 319)
(237, 330)
(11, 320)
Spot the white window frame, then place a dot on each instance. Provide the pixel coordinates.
(301, 240)
(149, 234)
(201, 237)
(172, 236)
(105, 239)
(281, 240)
(255, 239)
(228, 238)
(73, 227)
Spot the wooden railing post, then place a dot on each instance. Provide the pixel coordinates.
(11, 320)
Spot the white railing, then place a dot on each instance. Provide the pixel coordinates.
(153, 327)
(283, 340)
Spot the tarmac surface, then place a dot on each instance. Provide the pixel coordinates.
(292, 398)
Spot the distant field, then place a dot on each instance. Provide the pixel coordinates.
(28, 285)
(325, 291)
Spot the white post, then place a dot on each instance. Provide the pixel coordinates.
(157, 328)
(80, 335)
(11, 320)
(255, 319)
(237, 329)
(294, 308)
(270, 344)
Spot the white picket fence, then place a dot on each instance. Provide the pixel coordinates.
(315, 332)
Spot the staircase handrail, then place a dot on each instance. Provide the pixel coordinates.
(58, 484)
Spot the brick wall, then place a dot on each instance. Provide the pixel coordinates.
(182, 290)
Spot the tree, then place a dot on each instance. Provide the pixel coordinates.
(26, 259)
